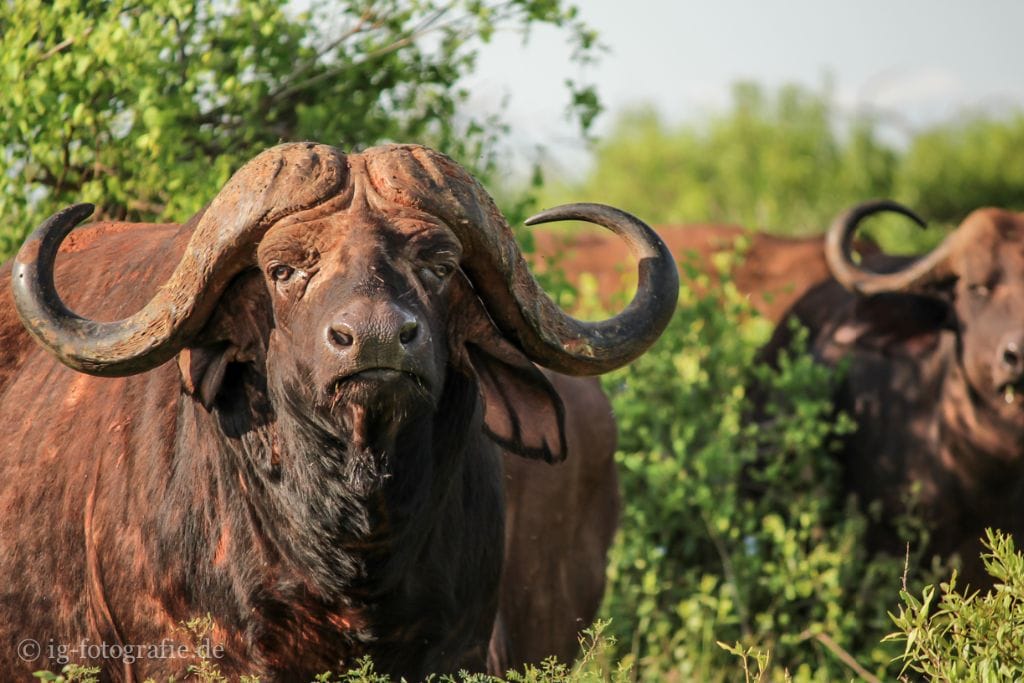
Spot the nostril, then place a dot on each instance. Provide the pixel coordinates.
(341, 335)
(1011, 355)
(408, 332)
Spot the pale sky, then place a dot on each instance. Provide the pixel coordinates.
(919, 61)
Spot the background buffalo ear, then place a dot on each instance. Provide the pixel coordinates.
(236, 332)
(897, 323)
(522, 411)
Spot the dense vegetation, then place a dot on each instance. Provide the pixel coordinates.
(787, 162)
(739, 540)
(721, 542)
(145, 109)
(728, 563)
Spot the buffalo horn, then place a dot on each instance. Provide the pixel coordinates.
(560, 342)
(915, 277)
(278, 182)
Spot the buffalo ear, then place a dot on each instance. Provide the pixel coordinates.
(202, 371)
(522, 411)
(897, 324)
(236, 333)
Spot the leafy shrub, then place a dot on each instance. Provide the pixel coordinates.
(775, 159)
(145, 109)
(954, 168)
(71, 673)
(968, 637)
(735, 532)
(788, 159)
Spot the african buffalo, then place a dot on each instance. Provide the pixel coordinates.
(935, 347)
(773, 271)
(317, 468)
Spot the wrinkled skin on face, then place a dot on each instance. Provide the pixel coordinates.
(360, 300)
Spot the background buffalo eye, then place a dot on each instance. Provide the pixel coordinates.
(281, 273)
(980, 290)
(442, 270)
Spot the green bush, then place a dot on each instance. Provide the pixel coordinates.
(954, 168)
(775, 160)
(145, 109)
(787, 160)
(735, 532)
(963, 637)
(968, 637)
(590, 667)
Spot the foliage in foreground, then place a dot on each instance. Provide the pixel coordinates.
(737, 541)
(959, 636)
(590, 667)
(963, 637)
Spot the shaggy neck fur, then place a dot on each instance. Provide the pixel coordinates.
(338, 546)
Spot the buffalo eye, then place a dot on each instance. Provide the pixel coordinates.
(979, 289)
(439, 271)
(442, 270)
(281, 273)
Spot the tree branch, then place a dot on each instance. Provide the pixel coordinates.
(63, 45)
(730, 575)
(427, 25)
(842, 654)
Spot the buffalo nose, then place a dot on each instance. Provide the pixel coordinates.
(1012, 352)
(1011, 355)
(407, 333)
(379, 329)
(341, 334)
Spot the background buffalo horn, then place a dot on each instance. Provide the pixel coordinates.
(278, 182)
(915, 277)
(550, 337)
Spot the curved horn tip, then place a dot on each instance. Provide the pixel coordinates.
(283, 180)
(569, 346)
(76, 213)
(83, 209)
(915, 276)
(54, 228)
(583, 211)
(871, 207)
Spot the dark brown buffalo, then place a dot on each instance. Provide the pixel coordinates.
(297, 432)
(772, 271)
(936, 373)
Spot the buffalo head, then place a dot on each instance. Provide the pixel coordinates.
(365, 281)
(976, 276)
